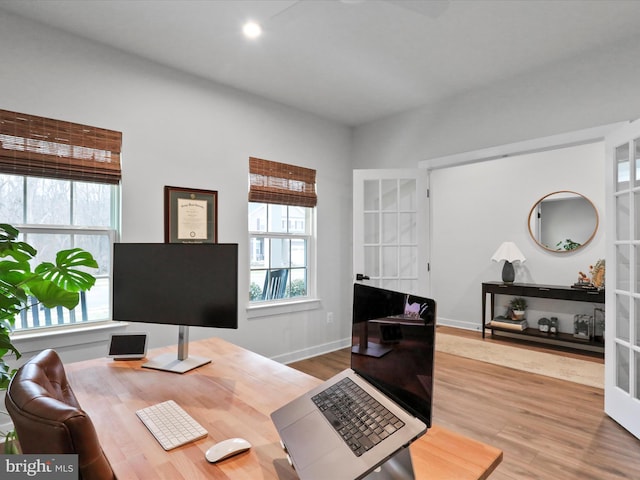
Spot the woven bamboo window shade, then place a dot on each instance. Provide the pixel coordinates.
(274, 182)
(43, 147)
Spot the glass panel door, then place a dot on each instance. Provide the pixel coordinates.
(622, 324)
(390, 225)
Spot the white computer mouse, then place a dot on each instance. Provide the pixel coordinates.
(226, 448)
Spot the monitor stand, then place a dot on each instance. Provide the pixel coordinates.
(183, 362)
(365, 347)
(398, 467)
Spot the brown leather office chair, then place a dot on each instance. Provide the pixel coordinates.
(48, 418)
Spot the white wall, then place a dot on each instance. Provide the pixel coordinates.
(477, 207)
(586, 91)
(182, 131)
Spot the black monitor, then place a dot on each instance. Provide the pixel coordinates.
(393, 342)
(176, 284)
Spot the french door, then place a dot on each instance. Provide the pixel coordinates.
(622, 317)
(390, 229)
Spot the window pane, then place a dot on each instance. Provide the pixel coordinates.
(48, 245)
(622, 317)
(91, 204)
(260, 252)
(635, 225)
(297, 282)
(389, 195)
(372, 261)
(277, 218)
(11, 199)
(371, 195)
(636, 381)
(48, 201)
(98, 300)
(389, 261)
(622, 220)
(371, 228)
(256, 284)
(408, 262)
(623, 267)
(637, 325)
(622, 367)
(298, 220)
(100, 247)
(298, 252)
(257, 217)
(408, 195)
(257, 257)
(622, 167)
(390, 228)
(408, 227)
(636, 160)
(280, 253)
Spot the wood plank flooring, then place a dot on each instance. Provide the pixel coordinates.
(548, 429)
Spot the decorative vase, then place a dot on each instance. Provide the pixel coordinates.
(508, 273)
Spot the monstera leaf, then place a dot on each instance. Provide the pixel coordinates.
(51, 284)
(67, 273)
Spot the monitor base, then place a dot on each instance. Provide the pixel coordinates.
(371, 350)
(170, 363)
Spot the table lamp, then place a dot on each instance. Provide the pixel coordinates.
(508, 252)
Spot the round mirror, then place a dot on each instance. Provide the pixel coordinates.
(563, 221)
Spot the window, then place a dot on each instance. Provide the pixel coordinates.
(281, 201)
(59, 187)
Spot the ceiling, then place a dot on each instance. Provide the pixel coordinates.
(352, 61)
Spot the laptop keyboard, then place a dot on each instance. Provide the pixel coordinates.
(361, 420)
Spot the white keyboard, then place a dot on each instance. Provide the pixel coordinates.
(170, 424)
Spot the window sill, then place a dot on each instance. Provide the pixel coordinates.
(281, 308)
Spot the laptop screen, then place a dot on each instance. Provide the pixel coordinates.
(393, 339)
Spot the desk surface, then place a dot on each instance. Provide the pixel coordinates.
(231, 397)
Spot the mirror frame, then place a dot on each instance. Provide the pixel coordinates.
(535, 205)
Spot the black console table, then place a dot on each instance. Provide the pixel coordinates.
(554, 292)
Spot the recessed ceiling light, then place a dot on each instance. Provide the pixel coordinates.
(252, 30)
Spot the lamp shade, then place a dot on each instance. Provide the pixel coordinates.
(508, 251)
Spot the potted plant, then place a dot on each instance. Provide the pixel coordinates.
(51, 284)
(518, 305)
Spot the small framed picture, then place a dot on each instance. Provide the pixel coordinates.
(191, 215)
(582, 326)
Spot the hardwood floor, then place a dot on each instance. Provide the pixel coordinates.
(548, 429)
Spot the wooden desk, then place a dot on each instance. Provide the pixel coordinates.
(231, 397)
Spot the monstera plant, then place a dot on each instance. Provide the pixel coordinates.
(51, 284)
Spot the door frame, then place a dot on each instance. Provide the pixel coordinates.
(553, 142)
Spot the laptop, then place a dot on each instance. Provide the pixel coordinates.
(392, 354)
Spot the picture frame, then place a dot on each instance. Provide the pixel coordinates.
(190, 215)
(582, 326)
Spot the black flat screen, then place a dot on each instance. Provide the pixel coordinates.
(176, 283)
(393, 341)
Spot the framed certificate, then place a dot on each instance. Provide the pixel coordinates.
(191, 215)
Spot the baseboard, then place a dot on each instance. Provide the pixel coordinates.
(312, 351)
(447, 322)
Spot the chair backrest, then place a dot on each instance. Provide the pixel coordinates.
(48, 419)
(275, 284)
